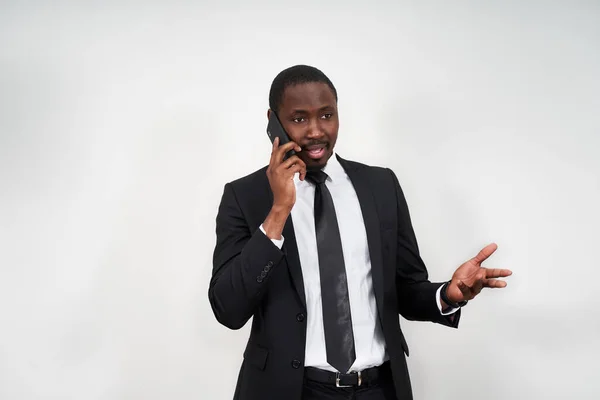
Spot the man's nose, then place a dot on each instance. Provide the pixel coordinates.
(314, 130)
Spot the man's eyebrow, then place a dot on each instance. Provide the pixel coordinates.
(301, 111)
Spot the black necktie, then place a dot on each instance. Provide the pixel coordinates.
(337, 321)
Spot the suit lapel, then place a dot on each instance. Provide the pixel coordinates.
(293, 259)
(290, 250)
(366, 198)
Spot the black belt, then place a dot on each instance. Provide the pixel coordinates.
(363, 377)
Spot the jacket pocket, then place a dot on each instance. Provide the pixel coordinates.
(256, 355)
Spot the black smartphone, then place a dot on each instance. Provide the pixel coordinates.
(275, 129)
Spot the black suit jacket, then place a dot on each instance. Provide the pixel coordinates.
(253, 278)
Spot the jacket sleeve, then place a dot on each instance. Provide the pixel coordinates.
(416, 294)
(242, 263)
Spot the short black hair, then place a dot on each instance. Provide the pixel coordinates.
(292, 76)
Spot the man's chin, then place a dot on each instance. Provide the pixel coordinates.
(316, 164)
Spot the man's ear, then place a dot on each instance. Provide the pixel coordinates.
(268, 113)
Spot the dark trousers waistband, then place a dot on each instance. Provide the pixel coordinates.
(365, 377)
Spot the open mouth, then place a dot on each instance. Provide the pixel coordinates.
(316, 151)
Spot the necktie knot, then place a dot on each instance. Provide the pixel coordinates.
(317, 177)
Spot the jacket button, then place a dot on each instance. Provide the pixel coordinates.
(259, 279)
(267, 268)
(296, 364)
(263, 274)
(300, 317)
(270, 264)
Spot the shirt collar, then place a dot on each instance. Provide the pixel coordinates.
(334, 169)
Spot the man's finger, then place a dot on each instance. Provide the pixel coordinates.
(302, 170)
(275, 146)
(485, 253)
(497, 273)
(281, 150)
(495, 283)
(291, 161)
(479, 283)
(295, 164)
(297, 168)
(274, 150)
(303, 173)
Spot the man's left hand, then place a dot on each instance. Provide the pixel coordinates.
(470, 278)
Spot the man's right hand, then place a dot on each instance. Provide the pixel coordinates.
(281, 179)
(281, 174)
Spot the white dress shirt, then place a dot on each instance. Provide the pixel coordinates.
(368, 337)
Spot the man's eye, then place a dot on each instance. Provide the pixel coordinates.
(327, 116)
(298, 119)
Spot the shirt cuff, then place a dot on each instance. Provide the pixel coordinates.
(276, 242)
(438, 299)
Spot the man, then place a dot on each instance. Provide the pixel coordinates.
(320, 251)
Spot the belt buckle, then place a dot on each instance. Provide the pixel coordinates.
(337, 380)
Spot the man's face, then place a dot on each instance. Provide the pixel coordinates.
(308, 113)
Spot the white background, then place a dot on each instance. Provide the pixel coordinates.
(120, 122)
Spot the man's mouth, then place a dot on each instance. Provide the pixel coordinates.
(315, 151)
